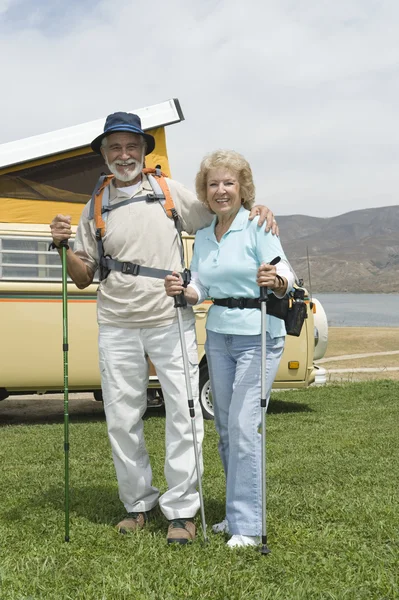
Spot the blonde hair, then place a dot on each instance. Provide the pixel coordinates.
(234, 162)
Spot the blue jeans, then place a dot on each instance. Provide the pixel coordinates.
(234, 363)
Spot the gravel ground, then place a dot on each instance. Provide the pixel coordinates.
(48, 408)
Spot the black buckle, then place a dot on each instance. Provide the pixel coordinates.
(242, 303)
(155, 197)
(130, 268)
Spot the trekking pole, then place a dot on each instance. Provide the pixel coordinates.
(64, 247)
(263, 297)
(180, 302)
(263, 403)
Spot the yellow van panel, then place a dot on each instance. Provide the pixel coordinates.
(17, 210)
(31, 356)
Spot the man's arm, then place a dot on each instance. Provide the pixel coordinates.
(79, 272)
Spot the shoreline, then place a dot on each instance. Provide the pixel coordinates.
(361, 353)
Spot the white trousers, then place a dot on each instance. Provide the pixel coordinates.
(124, 379)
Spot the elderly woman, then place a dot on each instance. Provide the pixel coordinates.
(231, 260)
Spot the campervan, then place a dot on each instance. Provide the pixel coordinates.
(55, 173)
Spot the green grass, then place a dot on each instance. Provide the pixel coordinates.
(333, 472)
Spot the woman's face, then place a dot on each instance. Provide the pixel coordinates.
(223, 192)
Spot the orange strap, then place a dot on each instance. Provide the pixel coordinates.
(98, 218)
(169, 204)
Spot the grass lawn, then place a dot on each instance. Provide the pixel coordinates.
(333, 511)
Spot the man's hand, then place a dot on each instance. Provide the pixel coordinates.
(264, 214)
(60, 228)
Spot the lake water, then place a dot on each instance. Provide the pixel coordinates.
(361, 310)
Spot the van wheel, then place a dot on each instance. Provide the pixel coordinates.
(98, 395)
(3, 394)
(205, 393)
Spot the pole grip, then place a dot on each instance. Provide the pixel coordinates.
(64, 244)
(180, 301)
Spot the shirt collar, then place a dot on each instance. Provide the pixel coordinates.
(238, 224)
(240, 220)
(115, 193)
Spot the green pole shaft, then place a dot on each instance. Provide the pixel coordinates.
(66, 392)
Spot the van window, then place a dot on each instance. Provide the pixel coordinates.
(69, 179)
(28, 259)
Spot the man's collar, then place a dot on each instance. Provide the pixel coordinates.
(144, 185)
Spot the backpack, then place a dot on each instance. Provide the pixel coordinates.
(100, 207)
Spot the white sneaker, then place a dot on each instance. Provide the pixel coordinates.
(222, 527)
(239, 541)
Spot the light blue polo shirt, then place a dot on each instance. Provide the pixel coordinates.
(228, 269)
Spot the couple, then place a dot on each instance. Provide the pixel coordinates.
(137, 319)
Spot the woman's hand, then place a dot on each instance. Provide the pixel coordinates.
(173, 284)
(266, 276)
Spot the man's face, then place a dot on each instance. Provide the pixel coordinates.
(124, 155)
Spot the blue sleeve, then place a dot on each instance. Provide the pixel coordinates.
(268, 246)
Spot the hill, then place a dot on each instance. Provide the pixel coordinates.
(354, 252)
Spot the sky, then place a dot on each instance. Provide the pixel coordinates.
(306, 90)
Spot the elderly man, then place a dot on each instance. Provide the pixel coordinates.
(137, 319)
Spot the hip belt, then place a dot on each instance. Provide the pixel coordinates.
(276, 307)
(291, 309)
(237, 302)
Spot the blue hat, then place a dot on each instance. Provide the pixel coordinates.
(122, 121)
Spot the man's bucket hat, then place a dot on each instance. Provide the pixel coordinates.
(122, 121)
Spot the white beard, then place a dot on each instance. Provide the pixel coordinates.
(130, 174)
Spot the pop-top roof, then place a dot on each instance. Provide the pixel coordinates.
(79, 136)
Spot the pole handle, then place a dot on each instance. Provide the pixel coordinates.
(180, 301)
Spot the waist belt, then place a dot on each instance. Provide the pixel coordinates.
(129, 268)
(237, 302)
(291, 309)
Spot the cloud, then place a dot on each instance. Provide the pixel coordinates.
(306, 91)
(4, 6)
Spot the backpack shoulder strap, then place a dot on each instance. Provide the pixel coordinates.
(98, 199)
(169, 205)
